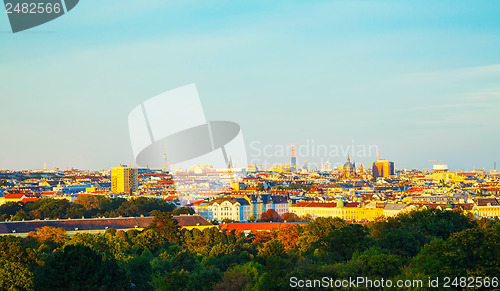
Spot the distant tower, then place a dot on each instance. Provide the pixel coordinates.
(293, 161)
(326, 166)
(304, 165)
(164, 161)
(45, 166)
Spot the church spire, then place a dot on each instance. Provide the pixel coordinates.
(348, 158)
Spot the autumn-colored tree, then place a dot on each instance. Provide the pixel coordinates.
(270, 215)
(49, 235)
(259, 238)
(233, 281)
(290, 217)
(89, 202)
(289, 235)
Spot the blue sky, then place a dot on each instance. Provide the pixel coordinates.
(420, 79)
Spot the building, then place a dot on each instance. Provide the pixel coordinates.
(240, 208)
(382, 168)
(124, 179)
(236, 209)
(15, 197)
(486, 207)
(98, 225)
(349, 169)
(293, 160)
(352, 211)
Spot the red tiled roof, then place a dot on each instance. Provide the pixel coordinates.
(29, 199)
(191, 220)
(95, 223)
(14, 196)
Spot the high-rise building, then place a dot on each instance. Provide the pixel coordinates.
(382, 168)
(124, 179)
(293, 161)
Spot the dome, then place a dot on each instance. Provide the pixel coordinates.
(348, 165)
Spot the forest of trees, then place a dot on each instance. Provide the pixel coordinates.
(414, 245)
(88, 206)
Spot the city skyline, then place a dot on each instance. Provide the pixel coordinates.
(419, 81)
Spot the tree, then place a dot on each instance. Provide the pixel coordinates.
(270, 215)
(252, 218)
(15, 276)
(289, 235)
(166, 226)
(46, 234)
(407, 233)
(204, 279)
(105, 245)
(183, 210)
(148, 239)
(177, 280)
(16, 249)
(273, 247)
(78, 267)
(471, 252)
(89, 202)
(52, 237)
(290, 217)
(139, 272)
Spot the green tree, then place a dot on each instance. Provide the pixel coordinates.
(148, 239)
(183, 210)
(177, 280)
(15, 276)
(471, 252)
(139, 272)
(78, 267)
(166, 226)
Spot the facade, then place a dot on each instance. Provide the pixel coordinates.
(352, 211)
(486, 207)
(124, 179)
(237, 209)
(240, 208)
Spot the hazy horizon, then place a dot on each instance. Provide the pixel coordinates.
(417, 80)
